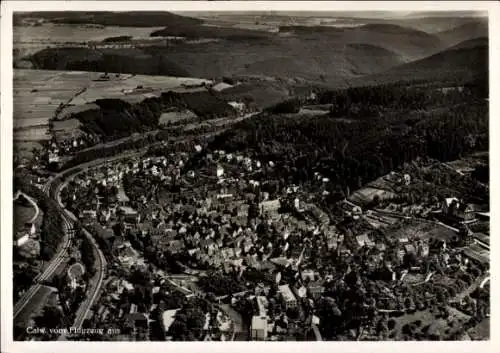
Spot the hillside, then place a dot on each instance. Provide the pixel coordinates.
(438, 23)
(407, 42)
(470, 30)
(319, 60)
(352, 149)
(334, 56)
(472, 43)
(464, 62)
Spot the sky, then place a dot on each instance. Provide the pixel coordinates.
(352, 14)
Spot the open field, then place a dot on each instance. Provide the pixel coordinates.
(39, 94)
(367, 194)
(22, 215)
(65, 129)
(417, 230)
(30, 39)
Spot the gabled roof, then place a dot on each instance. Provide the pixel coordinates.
(76, 271)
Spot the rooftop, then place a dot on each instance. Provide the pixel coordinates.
(169, 318)
(286, 292)
(259, 323)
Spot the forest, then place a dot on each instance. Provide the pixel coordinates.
(116, 118)
(87, 59)
(400, 124)
(124, 19)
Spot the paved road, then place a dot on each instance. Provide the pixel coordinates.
(96, 286)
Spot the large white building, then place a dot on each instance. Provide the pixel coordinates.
(287, 296)
(22, 240)
(259, 328)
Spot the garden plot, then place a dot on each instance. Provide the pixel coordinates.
(366, 195)
(425, 323)
(176, 116)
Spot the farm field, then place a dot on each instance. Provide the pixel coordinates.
(30, 39)
(40, 94)
(64, 129)
(383, 188)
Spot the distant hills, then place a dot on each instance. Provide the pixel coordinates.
(409, 43)
(125, 19)
(377, 49)
(470, 30)
(463, 62)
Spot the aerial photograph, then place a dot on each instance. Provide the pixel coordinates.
(251, 176)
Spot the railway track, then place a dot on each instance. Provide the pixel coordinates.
(54, 263)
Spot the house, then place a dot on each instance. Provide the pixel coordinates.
(364, 240)
(130, 215)
(75, 273)
(410, 249)
(23, 239)
(307, 274)
(455, 208)
(31, 228)
(270, 206)
(316, 289)
(300, 292)
(259, 328)
(169, 318)
(239, 107)
(287, 296)
(220, 171)
(89, 214)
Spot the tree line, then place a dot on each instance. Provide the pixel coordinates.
(116, 118)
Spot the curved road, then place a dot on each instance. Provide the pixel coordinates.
(53, 265)
(59, 257)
